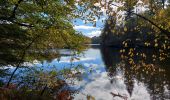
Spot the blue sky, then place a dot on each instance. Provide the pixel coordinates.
(88, 29)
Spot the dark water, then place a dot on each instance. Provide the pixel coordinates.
(138, 74)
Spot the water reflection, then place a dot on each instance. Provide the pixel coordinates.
(141, 65)
(135, 73)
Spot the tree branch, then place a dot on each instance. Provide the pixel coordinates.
(15, 9)
(161, 29)
(23, 24)
(22, 58)
(12, 17)
(118, 95)
(166, 32)
(42, 92)
(12, 21)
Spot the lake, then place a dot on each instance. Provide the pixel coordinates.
(120, 74)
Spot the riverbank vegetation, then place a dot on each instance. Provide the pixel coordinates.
(29, 30)
(33, 29)
(147, 28)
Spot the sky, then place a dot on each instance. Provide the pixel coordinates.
(91, 31)
(88, 29)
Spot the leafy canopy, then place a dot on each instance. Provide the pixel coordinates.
(36, 25)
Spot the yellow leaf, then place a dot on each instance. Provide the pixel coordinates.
(113, 31)
(125, 29)
(156, 44)
(109, 22)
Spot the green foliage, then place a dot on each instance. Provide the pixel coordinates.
(139, 28)
(7, 94)
(96, 40)
(29, 28)
(41, 83)
(36, 26)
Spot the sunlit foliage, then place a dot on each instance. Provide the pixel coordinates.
(30, 29)
(36, 25)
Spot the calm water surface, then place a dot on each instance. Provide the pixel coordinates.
(138, 74)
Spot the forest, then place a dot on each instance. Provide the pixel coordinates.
(134, 40)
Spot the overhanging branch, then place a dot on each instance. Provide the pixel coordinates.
(166, 32)
(9, 20)
(161, 29)
(23, 24)
(15, 9)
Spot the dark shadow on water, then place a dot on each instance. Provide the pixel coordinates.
(146, 65)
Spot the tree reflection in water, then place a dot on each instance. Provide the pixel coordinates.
(147, 65)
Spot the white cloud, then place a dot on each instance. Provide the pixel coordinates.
(84, 27)
(94, 33)
(68, 59)
(100, 88)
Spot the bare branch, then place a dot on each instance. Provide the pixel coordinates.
(118, 95)
(15, 9)
(23, 24)
(22, 58)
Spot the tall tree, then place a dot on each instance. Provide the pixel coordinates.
(27, 26)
